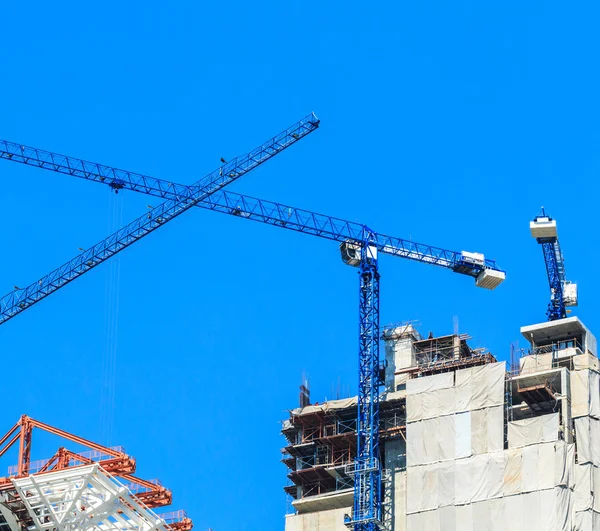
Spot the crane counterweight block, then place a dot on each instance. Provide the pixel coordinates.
(543, 228)
(490, 278)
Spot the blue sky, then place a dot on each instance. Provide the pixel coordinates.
(450, 124)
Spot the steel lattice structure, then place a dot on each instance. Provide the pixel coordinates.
(366, 515)
(556, 306)
(180, 199)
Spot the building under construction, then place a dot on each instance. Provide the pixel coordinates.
(467, 442)
(456, 441)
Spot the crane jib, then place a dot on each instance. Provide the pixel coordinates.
(269, 212)
(179, 199)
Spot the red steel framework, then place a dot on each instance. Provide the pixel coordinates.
(113, 460)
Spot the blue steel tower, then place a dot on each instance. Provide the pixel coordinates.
(366, 515)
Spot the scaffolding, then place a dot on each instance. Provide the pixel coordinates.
(321, 439)
(322, 444)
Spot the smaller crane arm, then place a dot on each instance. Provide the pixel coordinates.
(340, 230)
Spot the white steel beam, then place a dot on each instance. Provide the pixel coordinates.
(84, 499)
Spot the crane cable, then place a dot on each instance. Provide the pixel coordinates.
(111, 326)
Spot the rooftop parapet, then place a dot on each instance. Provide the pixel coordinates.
(560, 335)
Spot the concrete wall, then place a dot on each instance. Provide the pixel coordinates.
(395, 491)
(398, 355)
(332, 520)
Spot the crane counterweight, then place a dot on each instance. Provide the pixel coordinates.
(543, 227)
(490, 278)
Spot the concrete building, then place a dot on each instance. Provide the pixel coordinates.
(468, 443)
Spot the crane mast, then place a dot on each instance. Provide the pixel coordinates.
(359, 247)
(366, 514)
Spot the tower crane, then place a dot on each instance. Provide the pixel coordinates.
(563, 293)
(359, 247)
(180, 199)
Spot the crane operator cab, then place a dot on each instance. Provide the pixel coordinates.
(351, 252)
(474, 264)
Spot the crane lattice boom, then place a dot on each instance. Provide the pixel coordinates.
(180, 199)
(472, 264)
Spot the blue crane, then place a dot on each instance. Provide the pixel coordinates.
(563, 293)
(359, 247)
